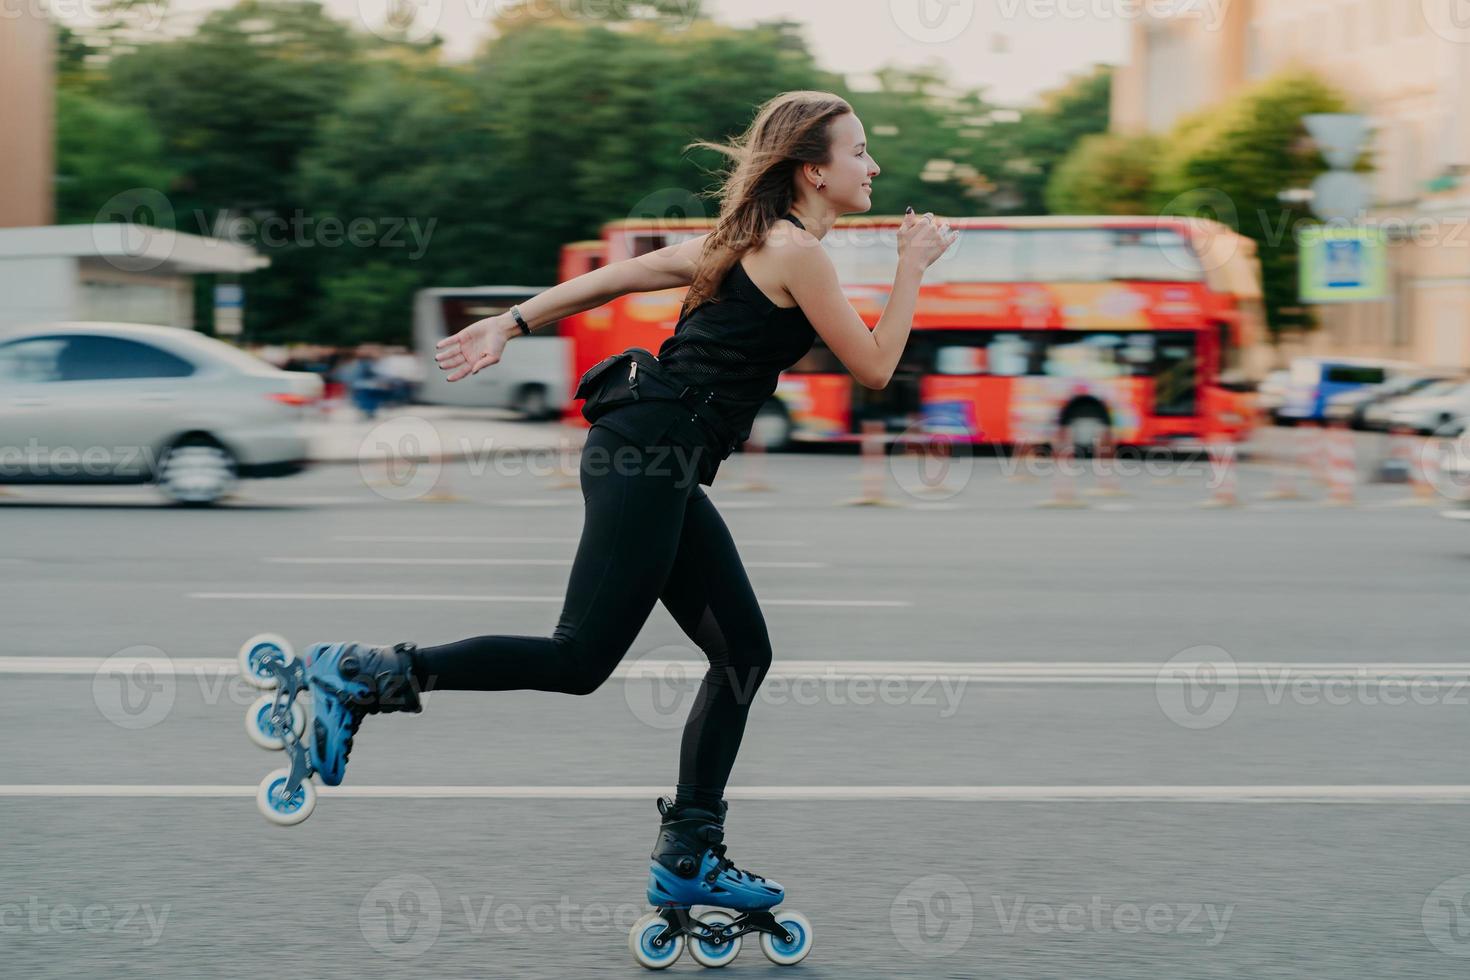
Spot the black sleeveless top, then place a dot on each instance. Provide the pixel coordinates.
(736, 345)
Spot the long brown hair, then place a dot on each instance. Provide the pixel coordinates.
(788, 131)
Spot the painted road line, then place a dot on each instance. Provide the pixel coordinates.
(430, 597)
(494, 561)
(1429, 675)
(471, 539)
(1322, 794)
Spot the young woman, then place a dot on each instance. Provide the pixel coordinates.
(761, 288)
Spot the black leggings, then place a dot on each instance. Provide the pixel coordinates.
(650, 533)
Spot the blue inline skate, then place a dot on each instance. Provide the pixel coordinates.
(690, 868)
(347, 681)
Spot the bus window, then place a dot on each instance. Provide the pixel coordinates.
(1154, 255)
(1009, 355)
(1176, 374)
(955, 359)
(1068, 255)
(1355, 374)
(979, 255)
(1086, 355)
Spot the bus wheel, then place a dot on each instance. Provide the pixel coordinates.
(772, 427)
(531, 402)
(1087, 426)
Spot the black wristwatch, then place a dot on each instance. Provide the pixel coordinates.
(515, 311)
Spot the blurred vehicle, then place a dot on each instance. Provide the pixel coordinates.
(1129, 328)
(130, 403)
(1442, 411)
(1271, 393)
(1317, 380)
(1375, 416)
(1352, 406)
(533, 376)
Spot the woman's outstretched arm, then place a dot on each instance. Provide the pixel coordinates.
(479, 345)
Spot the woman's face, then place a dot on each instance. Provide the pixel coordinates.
(850, 172)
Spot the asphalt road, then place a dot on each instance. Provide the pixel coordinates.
(1144, 739)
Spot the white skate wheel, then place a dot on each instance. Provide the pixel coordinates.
(258, 651)
(279, 810)
(644, 934)
(779, 951)
(707, 954)
(258, 723)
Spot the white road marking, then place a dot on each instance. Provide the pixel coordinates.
(1428, 675)
(1368, 793)
(496, 561)
(431, 597)
(466, 539)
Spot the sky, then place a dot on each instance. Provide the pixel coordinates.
(1014, 49)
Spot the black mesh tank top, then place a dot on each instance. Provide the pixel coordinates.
(738, 346)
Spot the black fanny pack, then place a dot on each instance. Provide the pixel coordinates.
(635, 375)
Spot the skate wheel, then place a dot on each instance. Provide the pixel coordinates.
(257, 652)
(258, 723)
(778, 950)
(643, 937)
(276, 807)
(709, 954)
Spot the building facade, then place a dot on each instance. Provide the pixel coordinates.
(1405, 66)
(26, 117)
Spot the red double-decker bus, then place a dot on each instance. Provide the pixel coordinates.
(1127, 327)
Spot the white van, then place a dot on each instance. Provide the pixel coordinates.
(534, 374)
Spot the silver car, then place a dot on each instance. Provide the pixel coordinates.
(130, 403)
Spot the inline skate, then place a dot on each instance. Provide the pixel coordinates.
(347, 681)
(689, 868)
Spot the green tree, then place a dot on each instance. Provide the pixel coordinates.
(1016, 157)
(1105, 174)
(103, 150)
(1232, 162)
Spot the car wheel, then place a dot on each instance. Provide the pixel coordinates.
(196, 472)
(531, 402)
